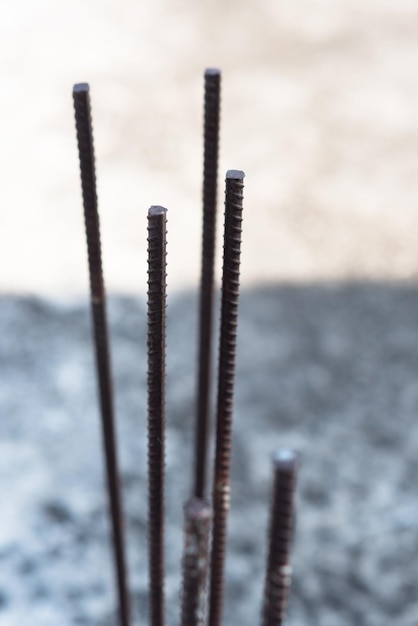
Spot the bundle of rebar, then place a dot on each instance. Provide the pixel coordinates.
(205, 518)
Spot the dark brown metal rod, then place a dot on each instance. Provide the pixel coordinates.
(98, 304)
(197, 520)
(279, 570)
(210, 188)
(226, 376)
(156, 407)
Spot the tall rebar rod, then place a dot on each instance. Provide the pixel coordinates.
(156, 407)
(226, 378)
(210, 188)
(98, 306)
(279, 570)
(197, 520)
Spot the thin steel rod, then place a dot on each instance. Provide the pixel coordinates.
(197, 520)
(210, 188)
(226, 376)
(98, 305)
(156, 407)
(279, 569)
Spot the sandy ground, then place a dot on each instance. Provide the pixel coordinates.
(320, 108)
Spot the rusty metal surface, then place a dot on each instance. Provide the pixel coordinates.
(210, 185)
(279, 569)
(197, 523)
(83, 120)
(226, 379)
(156, 343)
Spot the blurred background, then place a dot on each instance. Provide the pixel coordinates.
(320, 108)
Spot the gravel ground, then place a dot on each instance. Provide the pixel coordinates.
(328, 369)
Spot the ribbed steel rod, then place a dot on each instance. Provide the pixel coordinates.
(98, 306)
(226, 377)
(156, 406)
(279, 569)
(197, 520)
(210, 188)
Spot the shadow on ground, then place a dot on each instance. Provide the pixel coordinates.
(330, 369)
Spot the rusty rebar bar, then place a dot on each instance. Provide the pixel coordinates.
(210, 189)
(225, 398)
(279, 569)
(156, 343)
(197, 521)
(98, 306)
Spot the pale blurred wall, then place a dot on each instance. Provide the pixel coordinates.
(320, 108)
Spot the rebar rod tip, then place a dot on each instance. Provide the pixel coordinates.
(212, 71)
(286, 459)
(235, 174)
(81, 88)
(198, 509)
(156, 210)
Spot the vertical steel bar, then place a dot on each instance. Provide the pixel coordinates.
(98, 304)
(210, 187)
(226, 376)
(279, 569)
(156, 406)
(197, 520)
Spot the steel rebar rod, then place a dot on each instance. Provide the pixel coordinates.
(210, 188)
(279, 569)
(156, 407)
(98, 306)
(225, 398)
(197, 520)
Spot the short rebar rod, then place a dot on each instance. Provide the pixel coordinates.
(98, 305)
(157, 228)
(210, 189)
(225, 398)
(279, 570)
(197, 520)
